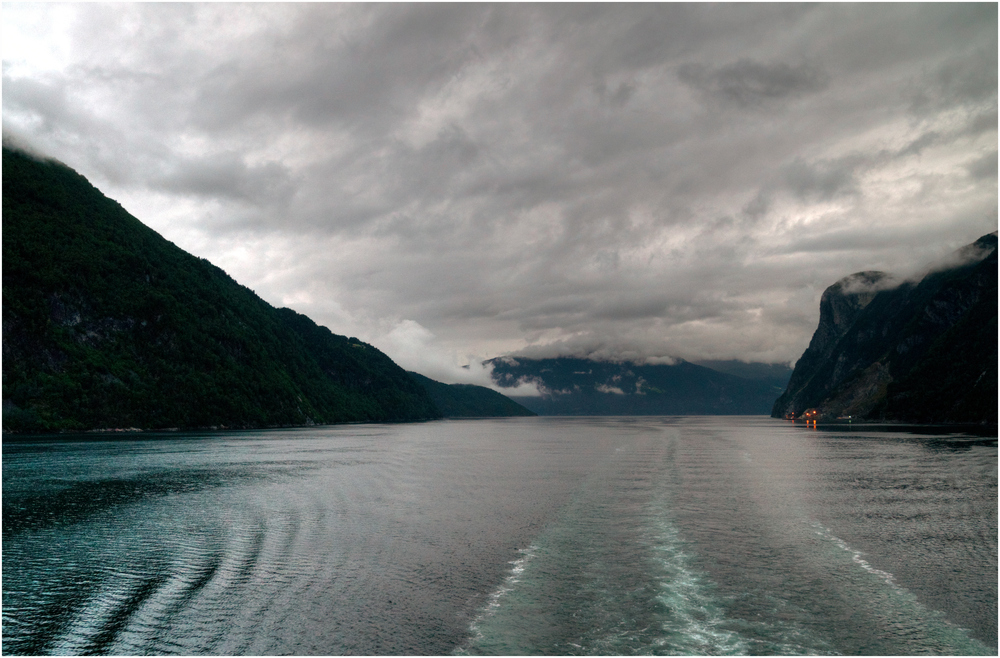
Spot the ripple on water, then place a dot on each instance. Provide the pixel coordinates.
(558, 536)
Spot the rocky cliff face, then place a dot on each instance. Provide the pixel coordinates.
(841, 304)
(839, 307)
(911, 351)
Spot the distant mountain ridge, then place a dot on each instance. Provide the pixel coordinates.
(776, 374)
(469, 400)
(108, 325)
(908, 351)
(583, 387)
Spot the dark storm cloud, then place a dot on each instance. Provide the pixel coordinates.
(456, 181)
(366, 72)
(920, 143)
(746, 83)
(955, 81)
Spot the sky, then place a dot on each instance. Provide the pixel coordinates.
(457, 182)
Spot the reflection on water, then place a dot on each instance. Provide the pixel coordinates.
(959, 432)
(511, 536)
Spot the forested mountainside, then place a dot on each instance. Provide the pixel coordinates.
(916, 351)
(469, 400)
(108, 325)
(584, 387)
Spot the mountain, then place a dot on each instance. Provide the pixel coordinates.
(775, 374)
(913, 351)
(108, 325)
(469, 400)
(582, 387)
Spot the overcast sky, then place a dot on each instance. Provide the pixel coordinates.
(457, 182)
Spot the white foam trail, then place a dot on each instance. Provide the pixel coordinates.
(513, 577)
(695, 618)
(697, 621)
(827, 535)
(931, 630)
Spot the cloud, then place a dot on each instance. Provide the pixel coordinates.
(617, 98)
(822, 180)
(414, 348)
(971, 253)
(525, 387)
(953, 80)
(227, 176)
(456, 182)
(861, 282)
(983, 167)
(747, 83)
(659, 361)
(17, 142)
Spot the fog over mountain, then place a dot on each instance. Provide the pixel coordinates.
(451, 183)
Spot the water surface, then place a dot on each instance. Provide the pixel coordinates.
(672, 535)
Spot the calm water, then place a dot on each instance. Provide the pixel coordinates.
(516, 536)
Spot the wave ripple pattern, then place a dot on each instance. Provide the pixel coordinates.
(575, 536)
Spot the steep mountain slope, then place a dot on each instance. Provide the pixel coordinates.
(108, 325)
(839, 307)
(581, 387)
(919, 351)
(469, 400)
